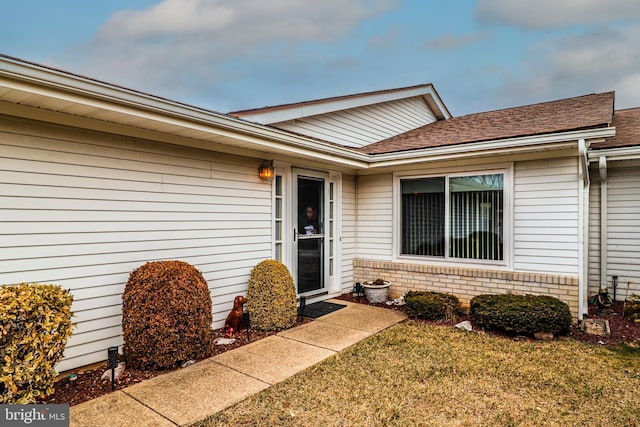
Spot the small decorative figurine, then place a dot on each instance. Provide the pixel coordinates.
(234, 324)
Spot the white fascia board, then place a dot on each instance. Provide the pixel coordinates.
(502, 146)
(47, 77)
(57, 85)
(438, 102)
(260, 137)
(613, 154)
(314, 109)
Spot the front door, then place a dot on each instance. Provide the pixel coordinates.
(309, 248)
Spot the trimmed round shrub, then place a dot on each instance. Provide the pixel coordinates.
(166, 315)
(35, 324)
(271, 297)
(521, 314)
(432, 305)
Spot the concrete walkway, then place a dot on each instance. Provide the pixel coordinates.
(191, 394)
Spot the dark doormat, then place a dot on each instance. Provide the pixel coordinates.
(321, 308)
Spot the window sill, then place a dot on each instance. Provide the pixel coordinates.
(454, 262)
(373, 267)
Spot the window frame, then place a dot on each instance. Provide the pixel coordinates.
(506, 170)
(278, 222)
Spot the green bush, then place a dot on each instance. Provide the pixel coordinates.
(271, 297)
(35, 324)
(166, 315)
(432, 305)
(521, 314)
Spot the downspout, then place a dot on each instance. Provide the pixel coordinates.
(602, 164)
(583, 209)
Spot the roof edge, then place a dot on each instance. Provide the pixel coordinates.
(45, 74)
(53, 82)
(518, 144)
(285, 112)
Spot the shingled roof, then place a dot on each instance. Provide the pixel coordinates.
(627, 124)
(583, 112)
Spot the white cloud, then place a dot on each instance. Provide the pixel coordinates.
(455, 41)
(170, 17)
(630, 95)
(599, 60)
(177, 47)
(242, 20)
(542, 14)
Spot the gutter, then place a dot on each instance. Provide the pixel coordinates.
(502, 146)
(81, 90)
(621, 153)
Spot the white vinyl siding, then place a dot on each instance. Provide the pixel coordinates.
(348, 232)
(623, 223)
(83, 210)
(546, 216)
(357, 127)
(375, 217)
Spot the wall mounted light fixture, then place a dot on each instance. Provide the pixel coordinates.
(266, 171)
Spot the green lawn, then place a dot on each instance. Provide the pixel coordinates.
(420, 375)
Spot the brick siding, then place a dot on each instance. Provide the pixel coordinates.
(466, 283)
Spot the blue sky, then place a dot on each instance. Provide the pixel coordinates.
(228, 55)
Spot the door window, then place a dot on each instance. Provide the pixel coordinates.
(310, 233)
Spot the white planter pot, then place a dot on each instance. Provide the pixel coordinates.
(376, 293)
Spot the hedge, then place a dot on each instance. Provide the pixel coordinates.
(521, 314)
(271, 297)
(35, 324)
(166, 315)
(432, 305)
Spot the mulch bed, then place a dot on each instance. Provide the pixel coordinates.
(623, 331)
(88, 385)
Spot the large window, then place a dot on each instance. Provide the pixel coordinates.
(453, 216)
(423, 213)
